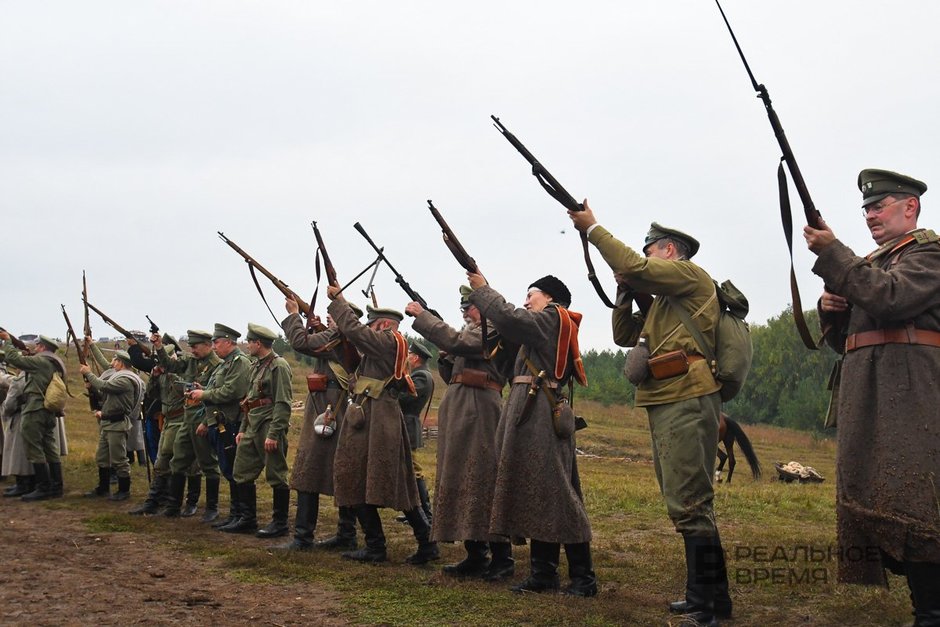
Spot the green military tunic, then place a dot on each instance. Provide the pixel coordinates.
(268, 417)
(187, 446)
(165, 385)
(683, 410)
(39, 424)
(121, 392)
(227, 386)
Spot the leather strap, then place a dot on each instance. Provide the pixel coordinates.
(489, 385)
(907, 335)
(527, 379)
(258, 402)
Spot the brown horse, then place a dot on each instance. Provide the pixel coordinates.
(730, 431)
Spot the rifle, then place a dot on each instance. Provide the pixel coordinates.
(412, 294)
(349, 353)
(279, 284)
(559, 193)
(78, 348)
(86, 343)
(15, 341)
(144, 347)
(813, 217)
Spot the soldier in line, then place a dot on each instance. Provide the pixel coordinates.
(14, 451)
(262, 439)
(467, 422)
(373, 467)
(327, 386)
(165, 388)
(221, 421)
(122, 392)
(39, 424)
(192, 370)
(412, 408)
(882, 313)
(683, 408)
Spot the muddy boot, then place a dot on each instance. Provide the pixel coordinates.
(543, 571)
(247, 521)
(193, 490)
(371, 523)
(43, 485)
(308, 508)
(580, 571)
(723, 604)
(278, 526)
(425, 499)
(345, 538)
(474, 565)
(175, 500)
(155, 497)
(104, 483)
(55, 480)
(124, 489)
(502, 565)
(23, 485)
(427, 550)
(211, 514)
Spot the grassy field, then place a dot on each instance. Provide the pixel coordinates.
(637, 555)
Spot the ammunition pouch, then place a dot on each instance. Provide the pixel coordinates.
(354, 416)
(476, 379)
(370, 387)
(671, 364)
(563, 419)
(317, 382)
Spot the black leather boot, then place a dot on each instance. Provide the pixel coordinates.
(701, 559)
(923, 578)
(308, 508)
(23, 485)
(193, 491)
(155, 497)
(175, 500)
(723, 605)
(374, 551)
(502, 565)
(345, 538)
(474, 565)
(425, 499)
(247, 521)
(104, 483)
(278, 525)
(43, 485)
(55, 479)
(211, 513)
(427, 550)
(580, 571)
(124, 489)
(543, 570)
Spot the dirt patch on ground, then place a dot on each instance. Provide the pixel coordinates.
(55, 572)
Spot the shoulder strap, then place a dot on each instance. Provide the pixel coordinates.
(692, 328)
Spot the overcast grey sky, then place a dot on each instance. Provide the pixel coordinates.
(130, 132)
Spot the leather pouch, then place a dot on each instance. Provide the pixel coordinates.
(563, 419)
(669, 365)
(355, 417)
(316, 382)
(473, 378)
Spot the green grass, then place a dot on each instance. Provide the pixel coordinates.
(637, 555)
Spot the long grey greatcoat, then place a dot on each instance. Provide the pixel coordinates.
(888, 434)
(373, 464)
(466, 437)
(313, 465)
(14, 452)
(538, 491)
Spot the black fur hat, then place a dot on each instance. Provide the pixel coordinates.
(555, 288)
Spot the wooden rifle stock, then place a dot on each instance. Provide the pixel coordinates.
(144, 347)
(453, 244)
(16, 342)
(78, 347)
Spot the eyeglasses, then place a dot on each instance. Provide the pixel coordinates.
(878, 208)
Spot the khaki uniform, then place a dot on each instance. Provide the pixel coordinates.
(683, 410)
(122, 392)
(888, 435)
(268, 417)
(227, 386)
(39, 424)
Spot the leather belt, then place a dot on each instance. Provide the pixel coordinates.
(691, 358)
(112, 417)
(906, 335)
(175, 414)
(258, 402)
(528, 378)
(489, 385)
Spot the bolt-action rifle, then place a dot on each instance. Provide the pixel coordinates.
(559, 193)
(412, 294)
(813, 217)
(349, 353)
(15, 341)
(144, 347)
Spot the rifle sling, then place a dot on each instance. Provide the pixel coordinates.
(787, 217)
(251, 270)
(316, 290)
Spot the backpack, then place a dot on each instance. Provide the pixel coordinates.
(734, 352)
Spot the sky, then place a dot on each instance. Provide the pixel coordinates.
(131, 132)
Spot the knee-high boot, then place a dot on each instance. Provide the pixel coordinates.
(474, 565)
(543, 573)
(305, 522)
(278, 525)
(427, 550)
(371, 523)
(580, 570)
(345, 538)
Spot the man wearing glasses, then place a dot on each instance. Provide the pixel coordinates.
(882, 312)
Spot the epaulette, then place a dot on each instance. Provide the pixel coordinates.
(925, 236)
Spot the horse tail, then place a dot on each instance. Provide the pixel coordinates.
(738, 434)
